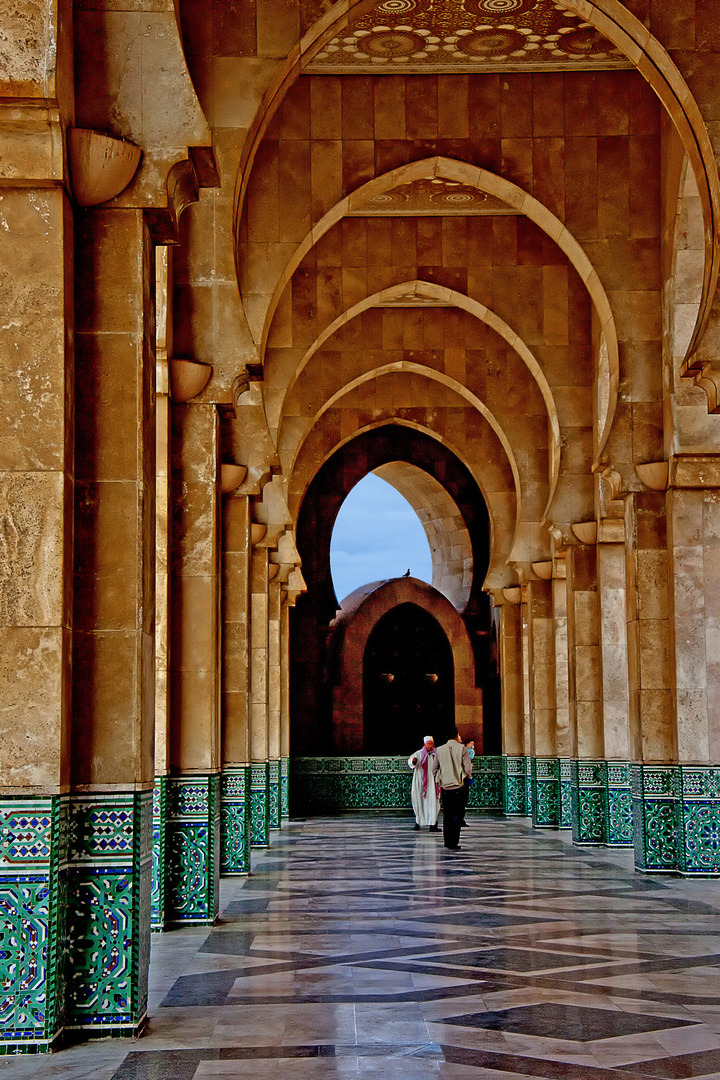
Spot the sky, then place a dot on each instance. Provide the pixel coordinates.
(377, 535)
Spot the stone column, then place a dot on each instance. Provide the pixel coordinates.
(286, 603)
(565, 744)
(259, 741)
(36, 596)
(114, 610)
(163, 346)
(527, 713)
(589, 772)
(514, 745)
(694, 550)
(235, 843)
(194, 787)
(541, 655)
(274, 699)
(615, 681)
(651, 680)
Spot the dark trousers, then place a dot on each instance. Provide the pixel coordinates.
(466, 796)
(453, 809)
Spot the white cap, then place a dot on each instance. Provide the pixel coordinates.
(428, 738)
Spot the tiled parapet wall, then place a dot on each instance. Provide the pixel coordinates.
(33, 901)
(235, 821)
(158, 898)
(259, 804)
(284, 788)
(486, 792)
(699, 820)
(108, 911)
(514, 787)
(274, 794)
(331, 784)
(546, 808)
(193, 848)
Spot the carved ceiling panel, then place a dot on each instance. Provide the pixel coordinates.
(467, 35)
(432, 197)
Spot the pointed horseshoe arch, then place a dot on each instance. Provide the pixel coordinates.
(628, 34)
(435, 292)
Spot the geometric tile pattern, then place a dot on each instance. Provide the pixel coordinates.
(109, 881)
(235, 821)
(655, 795)
(193, 848)
(699, 820)
(359, 947)
(486, 788)
(546, 808)
(274, 794)
(158, 897)
(589, 798)
(566, 773)
(284, 788)
(33, 849)
(619, 820)
(259, 804)
(514, 793)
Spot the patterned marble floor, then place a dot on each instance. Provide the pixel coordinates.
(359, 947)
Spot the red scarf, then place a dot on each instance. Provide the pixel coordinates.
(424, 759)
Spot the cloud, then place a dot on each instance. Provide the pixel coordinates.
(377, 535)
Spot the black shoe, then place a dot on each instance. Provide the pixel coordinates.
(416, 826)
(463, 824)
(456, 848)
(433, 828)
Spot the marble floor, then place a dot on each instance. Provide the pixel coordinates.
(359, 947)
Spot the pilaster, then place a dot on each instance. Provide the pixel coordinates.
(514, 792)
(259, 803)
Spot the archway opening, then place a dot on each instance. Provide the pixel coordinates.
(377, 535)
(408, 682)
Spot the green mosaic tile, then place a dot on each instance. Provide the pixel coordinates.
(514, 792)
(274, 794)
(588, 802)
(158, 897)
(284, 787)
(193, 847)
(259, 799)
(699, 820)
(655, 816)
(619, 808)
(546, 806)
(235, 821)
(108, 912)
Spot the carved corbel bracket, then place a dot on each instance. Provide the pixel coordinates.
(101, 166)
(654, 474)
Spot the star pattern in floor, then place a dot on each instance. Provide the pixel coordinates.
(360, 947)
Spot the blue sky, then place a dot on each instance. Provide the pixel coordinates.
(377, 535)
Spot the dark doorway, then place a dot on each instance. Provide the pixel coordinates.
(408, 682)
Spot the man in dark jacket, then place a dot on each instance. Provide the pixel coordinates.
(450, 767)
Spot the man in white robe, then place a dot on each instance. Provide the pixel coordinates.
(425, 792)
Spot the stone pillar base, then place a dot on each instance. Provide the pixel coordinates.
(274, 794)
(546, 809)
(676, 817)
(108, 912)
(158, 896)
(259, 804)
(284, 788)
(193, 846)
(514, 793)
(235, 817)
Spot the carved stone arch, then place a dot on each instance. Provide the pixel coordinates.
(521, 201)
(627, 33)
(428, 290)
(503, 506)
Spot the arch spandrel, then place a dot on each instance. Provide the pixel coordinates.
(629, 35)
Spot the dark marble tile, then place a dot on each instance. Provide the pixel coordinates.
(571, 1022)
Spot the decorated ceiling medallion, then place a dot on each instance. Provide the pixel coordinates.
(470, 35)
(433, 197)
